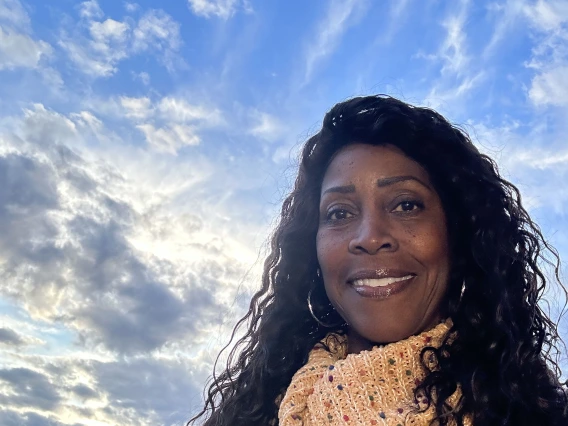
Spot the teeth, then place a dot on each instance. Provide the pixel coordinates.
(379, 282)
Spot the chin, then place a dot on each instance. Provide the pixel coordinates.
(389, 333)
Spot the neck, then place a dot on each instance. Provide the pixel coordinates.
(357, 343)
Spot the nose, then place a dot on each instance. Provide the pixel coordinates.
(373, 234)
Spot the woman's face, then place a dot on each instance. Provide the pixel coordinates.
(382, 245)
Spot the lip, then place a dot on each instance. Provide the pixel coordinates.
(385, 291)
(369, 274)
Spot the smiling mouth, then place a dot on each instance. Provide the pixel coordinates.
(379, 282)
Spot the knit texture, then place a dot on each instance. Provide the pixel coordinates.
(374, 387)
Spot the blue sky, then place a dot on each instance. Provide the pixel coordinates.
(145, 149)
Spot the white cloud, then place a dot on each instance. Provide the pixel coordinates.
(131, 7)
(170, 123)
(97, 47)
(505, 16)
(88, 232)
(137, 108)
(453, 50)
(549, 57)
(108, 30)
(12, 11)
(162, 120)
(91, 62)
(170, 139)
(538, 158)
(98, 55)
(176, 109)
(550, 87)
(52, 78)
(20, 50)
(547, 15)
(40, 122)
(531, 155)
(338, 17)
(145, 391)
(143, 76)
(265, 126)
(395, 20)
(221, 8)
(156, 30)
(458, 75)
(443, 95)
(90, 10)
(87, 119)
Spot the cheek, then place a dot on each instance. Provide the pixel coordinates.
(330, 247)
(437, 245)
(433, 251)
(432, 248)
(322, 250)
(430, 241)
(330, 254)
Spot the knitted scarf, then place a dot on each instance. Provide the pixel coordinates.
(374, 387)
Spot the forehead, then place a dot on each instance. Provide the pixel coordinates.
(360, 162)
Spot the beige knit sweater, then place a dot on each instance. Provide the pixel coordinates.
(374, 387)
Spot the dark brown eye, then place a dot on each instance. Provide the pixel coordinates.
(338, 214)
(409, 206)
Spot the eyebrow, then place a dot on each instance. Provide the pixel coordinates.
(381, 183)
(348, 189)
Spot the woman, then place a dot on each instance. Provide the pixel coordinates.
(402, 287)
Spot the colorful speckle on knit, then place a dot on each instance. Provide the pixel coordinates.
(374, 387)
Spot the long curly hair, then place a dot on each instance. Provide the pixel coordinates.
(502, 349)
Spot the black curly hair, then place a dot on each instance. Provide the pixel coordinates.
(504, 348)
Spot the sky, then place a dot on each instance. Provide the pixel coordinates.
(145, 149)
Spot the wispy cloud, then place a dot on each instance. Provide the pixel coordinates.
(90, 9)
(131, 7)
(143, 76)
(136, 108)
(170, 139)
(444, 93)
(505, 15)
(339, 16)
(265, 126)
(550, 87)
(547, 15)
(530, 154)
(170, 123)
(96, 47)
(550, 56)
(18, 48)
(221, 8)
(453, 50)
(458, 76)
(178, 109)
(397, 9)
(13, 12)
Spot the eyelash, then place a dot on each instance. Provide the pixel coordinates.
(416, 203)
(334, 211)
